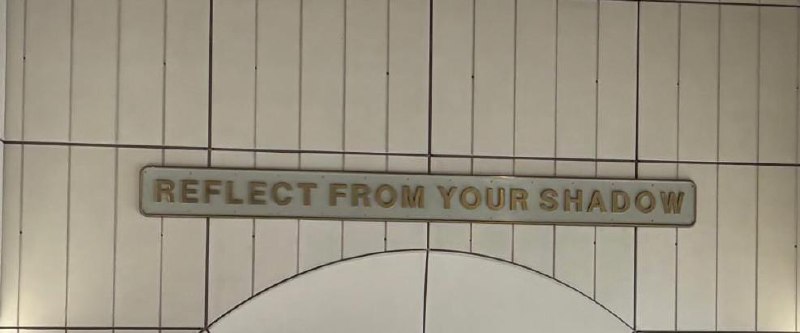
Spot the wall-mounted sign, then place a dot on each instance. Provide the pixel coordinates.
(184, 191)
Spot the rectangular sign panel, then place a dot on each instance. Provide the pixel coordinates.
(181, 191)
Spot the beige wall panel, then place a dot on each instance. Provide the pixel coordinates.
(453, 65)
(183, 257)
(276, 241)
(278, 74)
(408, 75)
(655, 266)
(658, 77)
(138, 247)
(361, 237)
(576, 104)
(186, 85)
(446, 235)
(736, 282)
(90, 287)
(738, 80)
(533, 244)
(616, 91)
(42, 284)
(322, 90)
(493, 239)
(47, 71)
(94, 71)
(400, 235)
(320, 241)
(777, 140)
(777, 220)
(697, 127)
(230, 249)
(12, 204)
(365, 109)
(493, 132)
(141, 76)
(574, 246)
(614, 249)
(697, 259)
(535, 78)
(15, 36)
(233, 66)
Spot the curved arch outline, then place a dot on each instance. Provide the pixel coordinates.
(480, 255)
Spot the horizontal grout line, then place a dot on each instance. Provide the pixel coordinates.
(100, 328)
(705, 2)
(421, 155)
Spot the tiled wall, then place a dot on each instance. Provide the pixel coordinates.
(96, 89)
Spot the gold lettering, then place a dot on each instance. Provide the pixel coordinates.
(519, 196)
(651, 202)
(672, 203)
(334, 194)
(577, 200)
(307, 187)
(230, 196)
(359, 191)
(476, 196)
(281, 200)
(187, 190)
(415, 201)
(209, 190)
(615, 201)
(379, 197)
(496, 204)
(164, 187)
(255, 189)
(597, 202)
(447, 194)
(548, 200)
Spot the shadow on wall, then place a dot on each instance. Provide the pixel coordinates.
(384, 292)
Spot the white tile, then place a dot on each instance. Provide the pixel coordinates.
(533, 244)
(736, 304)
(408, 76)
(320, 243)
(451, 78)
(138, 247)
(616, 95)
(183, 258)
(658, 77)
(536, 75)
(47, 71)
(278, 75)
(777, 110)
(141, 77)
(574, 246)
(365, 109)
(186, 85)
(494, 78)
(321, 104)
(12, 204)
(94, 71)
(697, 251)
(43, 261)
(576, 108)
(233, 65)
(655, 265)
(14, 69)
(90, 277)
(698, 83)
(738, 117)
(777, 220)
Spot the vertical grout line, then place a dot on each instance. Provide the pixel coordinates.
(386, 115)
(116, 165)
(208, 156)
(758, 154)
(69, 154)
(678, 148)
(636, 167)
(472, 110)
(163, 161)
(716, 197)
(555, 124)
(299, 117)
(514, 120)
(596, 136)
(344, 115)
(255, 145)
(796, 157)
(430, 145)
(22, 153)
